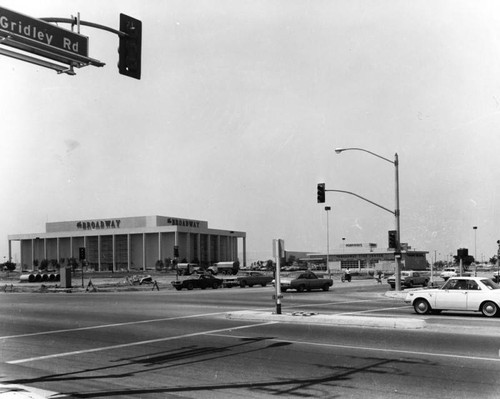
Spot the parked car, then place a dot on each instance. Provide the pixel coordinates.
(409, 278)
(449, 272)
(302, 281)
(476, 294)
(496, 277)
(198, 281)
(230, 281)
(253, 278)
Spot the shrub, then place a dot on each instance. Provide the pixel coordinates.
(10, 266)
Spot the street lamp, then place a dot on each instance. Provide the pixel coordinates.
(396, 212)
(475, 242)
(327, 208)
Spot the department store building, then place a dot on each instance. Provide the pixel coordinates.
(136, 243)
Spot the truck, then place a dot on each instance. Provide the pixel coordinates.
(186, 269)
(224, 268)
(409, 278)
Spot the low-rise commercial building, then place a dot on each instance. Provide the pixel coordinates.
(129, 243)
(368, 256)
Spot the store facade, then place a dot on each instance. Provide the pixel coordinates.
(367, 256)
(130, 243)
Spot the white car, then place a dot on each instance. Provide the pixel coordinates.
(476, 294)
(449, 272)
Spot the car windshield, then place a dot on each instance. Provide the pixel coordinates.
(405, 274)
(294, 275)
(490, 284)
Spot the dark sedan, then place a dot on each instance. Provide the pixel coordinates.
(198, 281)
(253, 278)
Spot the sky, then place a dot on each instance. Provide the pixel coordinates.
(238, 112)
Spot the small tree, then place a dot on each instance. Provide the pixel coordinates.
(44, 264)
(55, 264)
(9, 266)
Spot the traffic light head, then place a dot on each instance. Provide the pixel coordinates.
(81, 253)
(321, 193)
(392, 239)
(129, 60)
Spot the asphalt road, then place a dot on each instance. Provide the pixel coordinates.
(171, 344)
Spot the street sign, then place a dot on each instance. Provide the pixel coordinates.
(42, 38)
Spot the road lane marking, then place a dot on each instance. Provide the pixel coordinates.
(170, 319)
(110, 325)
(138, 343)
(373, 310)
(331, 303)
(367, 348)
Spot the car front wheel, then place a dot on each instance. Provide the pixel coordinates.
(421, 306)
(489, 309)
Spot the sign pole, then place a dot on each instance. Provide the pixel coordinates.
(277, 249)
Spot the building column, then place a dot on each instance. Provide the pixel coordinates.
(198, 246)
(71, 247)
(98, 253)
(209, 244)
(218, 257)
(159, 246)
(128, 252)
(58, 255)
(113, 251)
(244, 251)
(86, 252)
(32, 255)
(188, 249)
(143, 251)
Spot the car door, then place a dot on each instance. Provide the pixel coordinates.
(474, 295)
(453, 295)
(314, 281)
(202, 282)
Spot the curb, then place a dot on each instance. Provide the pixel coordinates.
(337, 320)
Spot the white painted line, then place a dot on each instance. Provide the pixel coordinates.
(110, 325)
(329, 303)
(23, 391)
(138, 343)
(373, 310)
(367, 348)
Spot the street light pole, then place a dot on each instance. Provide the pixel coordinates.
(475, 243)
(396, 212)
(327, 208)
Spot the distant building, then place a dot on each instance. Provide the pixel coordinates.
(368, 256)
(130, 243)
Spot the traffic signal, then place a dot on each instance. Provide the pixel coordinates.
(321, 193)
(82, 253)
(129, 60)
(392, 239)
